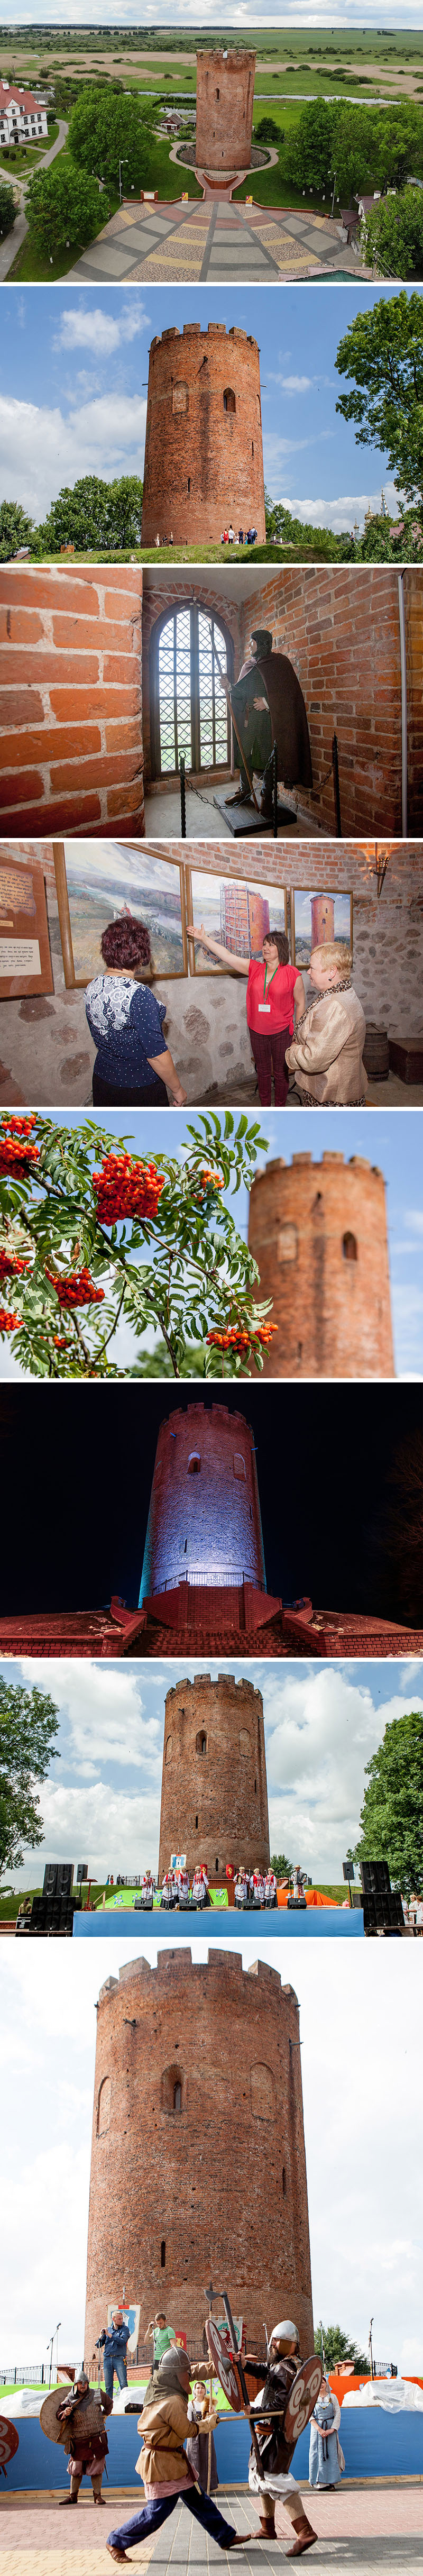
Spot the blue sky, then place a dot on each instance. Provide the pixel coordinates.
(322, 1723)
(232, 13)
(392, 1138)
(77, 370)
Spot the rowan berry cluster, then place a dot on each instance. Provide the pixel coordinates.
(9, 1323)
(11, 1266)
(75, 1288)
(207, 1181)
(235, 1338)
(17, 1153)
(126, 1189)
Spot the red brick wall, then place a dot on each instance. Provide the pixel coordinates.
(225, 1787)
(71, 702)
(334, 1315)
(223, 2181)
(206, 1522)
(217, 453)
(413, 605)
(340, 628)
(344, 866)
(225, 100)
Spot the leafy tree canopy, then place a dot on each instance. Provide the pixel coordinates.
(280, 1863)
(354, 146)
(267, 131)
(94, 514)
(63, 205)
(28, 1726)
(8, 210)
(15, 529)
(382, 353)
(338, 2347)
(392, 1813)
(393, 235)
(105, 130)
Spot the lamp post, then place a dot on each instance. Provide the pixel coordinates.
(122, 166)
(333, 198)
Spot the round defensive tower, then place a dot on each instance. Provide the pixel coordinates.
(203, 443)
(204, 1523)
(198, 2167)
(214, 1786)
(225, 99)
(318, 1232)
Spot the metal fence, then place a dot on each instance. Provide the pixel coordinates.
(228, 1577)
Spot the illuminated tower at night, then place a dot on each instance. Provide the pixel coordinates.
(204, 1524)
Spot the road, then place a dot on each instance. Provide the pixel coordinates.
(13, 241)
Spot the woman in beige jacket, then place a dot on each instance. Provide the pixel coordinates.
(164, 2468)
(326, 1054)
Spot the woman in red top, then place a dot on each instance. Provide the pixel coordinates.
(274, 989)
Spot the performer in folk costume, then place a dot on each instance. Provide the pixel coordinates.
(326, 2459)
(241, 1886)
(270, 1888)
(200, 1885)
(147, 1890)
(165, 2470)
(200, 2449)
(76, 2420)
(170, 1888)
(182, 1876)
(258, 1887)
(277, 2483)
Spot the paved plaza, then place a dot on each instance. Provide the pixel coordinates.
(378, 2526)
(215, 239)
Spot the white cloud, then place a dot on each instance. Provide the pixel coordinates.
(321, 1729)
(104, 1710)
(95, 327)
(338, 514)
(110, 1830)
(42, 449)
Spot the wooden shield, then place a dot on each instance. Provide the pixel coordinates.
(224, 2366)
(9, 2440)
(302, 2398)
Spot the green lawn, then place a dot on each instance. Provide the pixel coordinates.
(169, 177)
(17, 163)
(32, 266)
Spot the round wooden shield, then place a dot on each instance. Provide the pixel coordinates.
(224, 2366)
(9, 2440)
(302, 2398)
(49, 2413)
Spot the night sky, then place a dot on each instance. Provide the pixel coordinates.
(75, 1474)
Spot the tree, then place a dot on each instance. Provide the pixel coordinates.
(281, 1865)
(94, 515)
(392, 235)
(105, 130)
(63, 206)
(337, 2347)
(15, 529)
(308, 153)
(125, 511)
(8, 210)
(71, 1239)
(400, 144)
(28, 1726)
(382, 351)
(267, 131)
(392, 1813)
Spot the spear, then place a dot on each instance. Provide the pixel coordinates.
(227, 695)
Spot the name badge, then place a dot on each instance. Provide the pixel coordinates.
(265, 1006)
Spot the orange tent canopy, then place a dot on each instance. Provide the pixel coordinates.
(313, 1896)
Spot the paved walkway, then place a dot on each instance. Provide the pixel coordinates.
(215, 240)
(378, 2527)
(14, 240)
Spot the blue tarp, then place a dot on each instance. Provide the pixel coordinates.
(375, 2445)
(318, 1923)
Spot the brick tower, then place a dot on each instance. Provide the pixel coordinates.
(204, 1523)
(198, 2167)
(318, 1232)
(322, 919)
(203, 443)
(225, 96)
(214, 1787)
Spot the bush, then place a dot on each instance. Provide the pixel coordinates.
(7, 209)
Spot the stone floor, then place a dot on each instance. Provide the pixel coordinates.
(376, 2526)
(204, 820)
(215, 240)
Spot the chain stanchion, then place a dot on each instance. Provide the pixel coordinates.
(275, 791)
(183, 797)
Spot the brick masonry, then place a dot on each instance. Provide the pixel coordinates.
(71, 701)
(204, 1514)
(203, 441)
(214, 1787)
(318, 1232)
(225, 100)
(46, 1050)
(217, 2190)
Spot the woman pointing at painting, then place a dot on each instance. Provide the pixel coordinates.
(274, 990)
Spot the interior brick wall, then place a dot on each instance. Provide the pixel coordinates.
(413, 588)
(340, 629)
(71, 700)
(231, 2039)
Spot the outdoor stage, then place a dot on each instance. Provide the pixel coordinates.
(318, 1923)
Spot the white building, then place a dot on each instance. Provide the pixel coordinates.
(23, 118)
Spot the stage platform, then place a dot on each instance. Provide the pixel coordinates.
(319, 1922)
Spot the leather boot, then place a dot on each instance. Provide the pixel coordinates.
(305, 2537)
(267, 2526)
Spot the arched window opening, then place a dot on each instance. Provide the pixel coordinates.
(189, 711)
(218, 93)
(229, 403)
(168, 1749)
(239, 1466)
(255, 1788)
(103, 2107)
(283, 2183)
(177, 2097)
(180, 397)
(163, 2254)
(217, 1861)
(189, 482)
(196, 1824)
(194, 1463)
(349, 1247)
(252, 447)
(201, 1741)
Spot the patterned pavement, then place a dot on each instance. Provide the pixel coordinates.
(215, 240)
(379, 2527)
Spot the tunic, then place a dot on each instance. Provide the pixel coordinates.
(324, 2467)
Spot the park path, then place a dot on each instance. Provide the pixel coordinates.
(14, 240)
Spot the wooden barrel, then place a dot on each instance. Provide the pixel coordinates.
(376, 1053)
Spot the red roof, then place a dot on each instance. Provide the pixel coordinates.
(24, 98)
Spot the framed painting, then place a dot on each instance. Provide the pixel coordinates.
(25, 961)
(316, 918)
(97, 882)
(234, 911)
